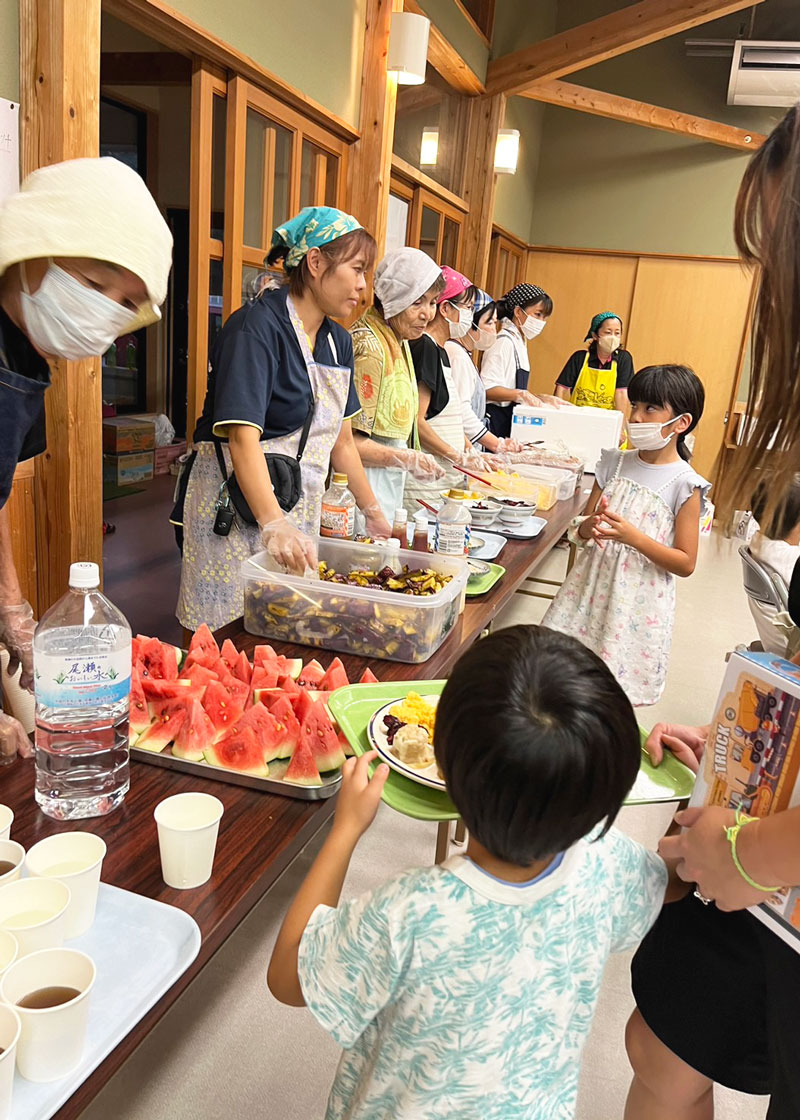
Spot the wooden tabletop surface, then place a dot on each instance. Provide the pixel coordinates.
(260, 834)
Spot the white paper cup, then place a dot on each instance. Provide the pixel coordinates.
(75, 859)
(11, 852)
(52, 1038)
(6, 820)
(10, 1027)
(34, 911)
(188, 824)
(9, 951)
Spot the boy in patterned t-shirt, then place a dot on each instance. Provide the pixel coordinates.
(467, 990)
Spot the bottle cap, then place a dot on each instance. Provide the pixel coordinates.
(401, 515)
(84, 574)
(421, 517)
(392, 542)
(340, 479)
(458, 495)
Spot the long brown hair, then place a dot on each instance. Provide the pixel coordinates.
(767, 231)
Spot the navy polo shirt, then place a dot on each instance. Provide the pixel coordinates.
(257, 374)
(24, 378)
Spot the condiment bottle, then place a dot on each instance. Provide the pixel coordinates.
(400, 527)
(338, 514)
(453, 522)
(420, 542)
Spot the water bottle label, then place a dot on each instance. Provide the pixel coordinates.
(77, 682)
(451, 539)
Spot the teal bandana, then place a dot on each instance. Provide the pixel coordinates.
(598, 321)
(312, 227)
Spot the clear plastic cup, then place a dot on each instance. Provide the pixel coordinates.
(34, 911)
(52, 1038)
(11, 852)
(75, 859)
(6, 820)
(10, 1027)
(188, 824)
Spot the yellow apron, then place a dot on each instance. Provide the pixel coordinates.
(595, 387)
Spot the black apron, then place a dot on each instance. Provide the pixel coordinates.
(499, 416)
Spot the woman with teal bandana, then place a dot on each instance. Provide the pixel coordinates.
(280, 382)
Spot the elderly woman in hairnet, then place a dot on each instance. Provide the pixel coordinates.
(84, 257)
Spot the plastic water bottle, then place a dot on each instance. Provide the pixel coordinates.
(82, 671)
(452, 531)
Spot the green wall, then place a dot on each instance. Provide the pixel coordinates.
(9, 49)
(459, 32)
(608, 185)
(316, 45)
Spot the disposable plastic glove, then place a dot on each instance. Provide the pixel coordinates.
(476, 463)
(507, 446)
(290, 547)
(13, 740)
(419, 465)
(17, 625)
(526, 398)
(377, 525)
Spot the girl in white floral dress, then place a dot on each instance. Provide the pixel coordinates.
(641, 530)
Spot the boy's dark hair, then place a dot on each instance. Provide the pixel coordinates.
(537, 742)
(786, 514)
(675, 387)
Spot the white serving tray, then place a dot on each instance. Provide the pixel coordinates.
(140, 947)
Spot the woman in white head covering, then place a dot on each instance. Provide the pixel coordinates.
(84, 257)
(406, 285)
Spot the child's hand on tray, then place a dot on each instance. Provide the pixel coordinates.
(359, 795)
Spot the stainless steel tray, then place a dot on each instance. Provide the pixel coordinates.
(330, 782)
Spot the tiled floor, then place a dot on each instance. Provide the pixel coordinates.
(227, 1049)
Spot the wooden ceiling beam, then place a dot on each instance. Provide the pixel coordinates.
(444, 58)
(630, 111)
(589, 43)
(410, 99)
(145, 68)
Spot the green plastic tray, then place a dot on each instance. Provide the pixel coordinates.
(487, 582)
(354, 705)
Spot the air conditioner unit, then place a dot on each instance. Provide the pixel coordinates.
(764, 73)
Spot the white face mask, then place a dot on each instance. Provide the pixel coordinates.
(650, 437)
(485, 338)
(463, 324)
(532, 328)
(64, 318)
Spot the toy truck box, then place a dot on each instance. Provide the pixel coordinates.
(752, 758)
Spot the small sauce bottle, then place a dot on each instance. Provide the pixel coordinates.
(420, 543)
(400, 527)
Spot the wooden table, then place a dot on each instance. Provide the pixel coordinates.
(260, 834)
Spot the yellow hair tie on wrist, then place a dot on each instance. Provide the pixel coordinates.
(731, 835)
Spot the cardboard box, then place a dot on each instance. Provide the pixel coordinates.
(166, 455)
(126, 470)
(124, 434)
(752, 758)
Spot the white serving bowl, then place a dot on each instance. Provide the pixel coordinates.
(484, 517)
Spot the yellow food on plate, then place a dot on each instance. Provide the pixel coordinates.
(417, 711)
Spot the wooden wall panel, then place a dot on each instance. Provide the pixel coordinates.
(581, 284)
(693, 312)
(23, 530)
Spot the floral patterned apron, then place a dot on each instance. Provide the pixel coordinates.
(619, 603)
(211, 585)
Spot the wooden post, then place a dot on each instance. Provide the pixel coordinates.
(60, 99)
(486, 116)
(370, 161)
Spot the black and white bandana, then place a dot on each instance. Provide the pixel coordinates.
(523, 294)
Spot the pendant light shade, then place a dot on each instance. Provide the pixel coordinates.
(429, 147)
(506, 152)
(408, 48)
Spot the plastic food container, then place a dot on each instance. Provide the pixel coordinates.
(541, 492)
(365, 621)
(565, 480)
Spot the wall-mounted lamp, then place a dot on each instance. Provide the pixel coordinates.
(408, 48)
(429, 147)
(506, 152)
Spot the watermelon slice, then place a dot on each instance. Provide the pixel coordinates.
(136, 645)
(238, 689)
(368, 677)
(288, 727)
(263, 654)
(264, 677)
(203, 649)
(170, 716)
(288, 684)
(229, 654)
(240, 751)
(344, 743)
(289, 666)
(242, 668)
(139, 714)
(157, 659)
(303, 769)
(196, 735)
(222, 708)
(336, 676)
(266, 728)
(302, 704)
(312, 675)
(155, 689)
(197, 673)
(316, 730)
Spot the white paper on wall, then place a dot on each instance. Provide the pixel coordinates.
(9, 148)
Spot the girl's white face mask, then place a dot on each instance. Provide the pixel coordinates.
(66, 319)
(650, 437)
(484, 338)
(463, 324)
(531, 328)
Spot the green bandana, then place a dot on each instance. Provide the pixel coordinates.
(312, 227)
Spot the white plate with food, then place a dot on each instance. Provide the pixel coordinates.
(493, 545)
(523, 531)
(411, 751)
